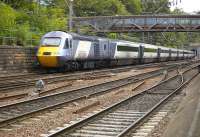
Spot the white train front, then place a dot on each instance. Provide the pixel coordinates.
(73, 51)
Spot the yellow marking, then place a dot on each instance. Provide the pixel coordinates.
(50, 60)
(52, 50)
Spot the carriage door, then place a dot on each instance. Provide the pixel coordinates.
(106, 49)
(68, 48)
(96, 50)
(170, 53)
(112, 50)
(109, 49)
(158, 52)
(177, 54)
(141, 54)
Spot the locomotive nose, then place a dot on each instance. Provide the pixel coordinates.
(48, 56)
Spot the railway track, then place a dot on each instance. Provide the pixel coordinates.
(16, 82)
(120, 118)
(152, 123)
(48, 80)
(92, 75)
(11, 77)
(43, 93)
(14, 112)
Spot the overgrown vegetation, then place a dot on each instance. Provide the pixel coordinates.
(23, 22)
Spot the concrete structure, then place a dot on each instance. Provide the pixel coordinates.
(186, 121)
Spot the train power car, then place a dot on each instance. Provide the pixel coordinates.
(73, 51)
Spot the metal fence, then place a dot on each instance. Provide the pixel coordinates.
(9, 37)
(13, 41)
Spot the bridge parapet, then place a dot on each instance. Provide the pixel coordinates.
(141, 23)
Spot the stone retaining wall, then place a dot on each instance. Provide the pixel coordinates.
(16, 59)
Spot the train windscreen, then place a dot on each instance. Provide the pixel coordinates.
(51, 42)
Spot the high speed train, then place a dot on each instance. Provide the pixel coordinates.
(65, 50)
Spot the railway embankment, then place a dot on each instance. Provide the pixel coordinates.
(186, 120)
(17, 59)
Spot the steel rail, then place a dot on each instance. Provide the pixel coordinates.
(57, 88)
(68, 130)
(51, 101)
(136, 123)
(22, 95)
(13, 76)
(23, 83)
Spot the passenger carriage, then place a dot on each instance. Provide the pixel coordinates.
(73, 51)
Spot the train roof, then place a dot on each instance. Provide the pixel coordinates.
(63, 34)
(125, 42)
(96, 38)
(56, 34)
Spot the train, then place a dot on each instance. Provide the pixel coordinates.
(72, 51)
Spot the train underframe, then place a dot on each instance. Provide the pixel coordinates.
(96, 64)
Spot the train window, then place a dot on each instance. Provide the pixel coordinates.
(127, 48)
(51, 42)
(150, 50)
(174, 52)
(164, 51)
(105, 47)
(66, 44)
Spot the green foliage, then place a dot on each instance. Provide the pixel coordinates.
(112, 35)
(156, 6)
(19, 3)
(133, 6)
(178, 11)
(25, 21)
(7, 17)
(22, 34)
(174, 39)
(99, 8)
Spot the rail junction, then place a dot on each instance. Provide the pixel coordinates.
(138, 107)
(118, 119)
(26, 108)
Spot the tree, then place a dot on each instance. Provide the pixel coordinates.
(7, 23)
(7, 16)
(133, 6)
(99, 8)
(178, 11)
(156, 6)
(16, 4)
(27, 19)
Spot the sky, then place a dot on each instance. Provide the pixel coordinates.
(189, 6)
